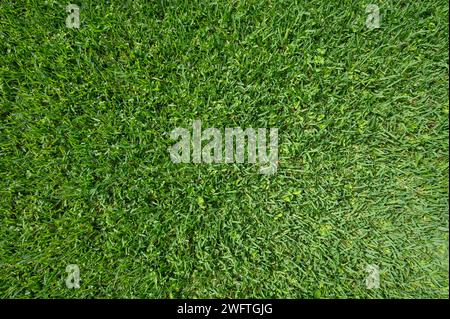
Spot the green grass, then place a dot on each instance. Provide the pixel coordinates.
(86, 178)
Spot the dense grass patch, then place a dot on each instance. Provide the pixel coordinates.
(86, 179)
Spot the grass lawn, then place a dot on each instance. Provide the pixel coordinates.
(86, 178)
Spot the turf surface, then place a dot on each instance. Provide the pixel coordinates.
(86, 179)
